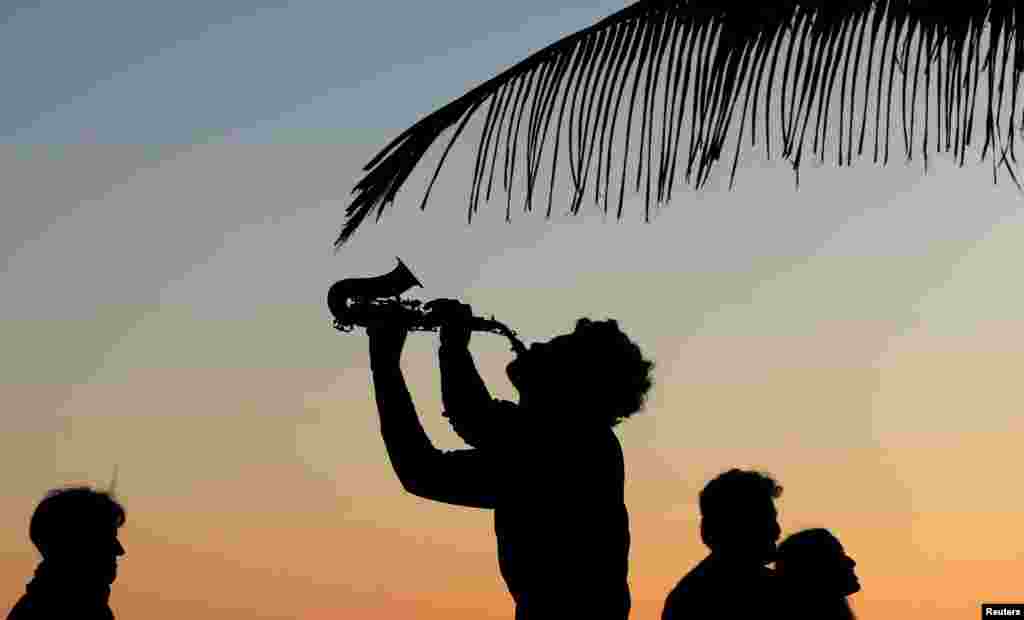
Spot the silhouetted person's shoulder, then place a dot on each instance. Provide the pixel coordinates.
(45, 606)
(690, 594)
(715, 589)
(23, 610)
(586, 465)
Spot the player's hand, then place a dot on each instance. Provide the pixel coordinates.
(455, 319)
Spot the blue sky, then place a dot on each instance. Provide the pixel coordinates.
(177, 73)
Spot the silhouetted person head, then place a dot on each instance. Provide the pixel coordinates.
(76, 529)
(816, 561)
(738, 516)
(594, 373)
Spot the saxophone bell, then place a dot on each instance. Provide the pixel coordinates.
(364, 301)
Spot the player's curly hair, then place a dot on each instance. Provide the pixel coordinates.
(618, 374)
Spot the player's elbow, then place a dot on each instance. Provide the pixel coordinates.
(415, 479)
(413, 485)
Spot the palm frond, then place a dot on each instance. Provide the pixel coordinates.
(724, 67)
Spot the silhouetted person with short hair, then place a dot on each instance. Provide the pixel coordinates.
(815, 576)
(75, 530)
(739, 524)
(550, 466)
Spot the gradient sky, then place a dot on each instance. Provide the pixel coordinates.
(174, 175)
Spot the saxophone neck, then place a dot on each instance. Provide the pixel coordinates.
(498, 327)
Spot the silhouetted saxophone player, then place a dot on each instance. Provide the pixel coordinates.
(550, 466)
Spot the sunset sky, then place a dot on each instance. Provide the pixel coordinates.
(173, 176)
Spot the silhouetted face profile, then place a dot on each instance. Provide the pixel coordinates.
(815, 559)
(100, 550)
(536, 371)
(595, 372)
(739, 520)
(76, 531)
